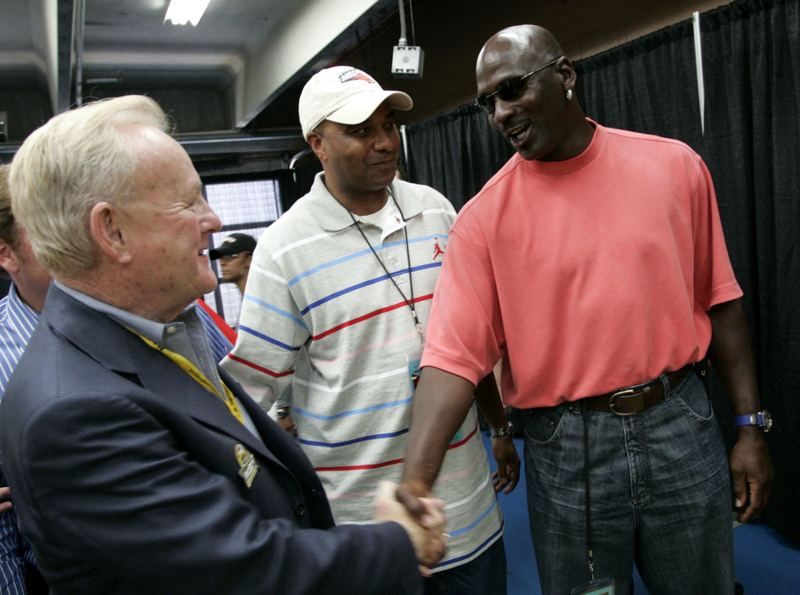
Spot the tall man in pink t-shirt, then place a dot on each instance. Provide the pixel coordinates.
(594, 264)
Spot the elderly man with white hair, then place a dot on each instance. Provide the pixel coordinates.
(134, 462)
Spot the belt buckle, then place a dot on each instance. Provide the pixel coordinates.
(612, 401)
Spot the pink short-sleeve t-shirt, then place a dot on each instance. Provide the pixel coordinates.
(585, 275)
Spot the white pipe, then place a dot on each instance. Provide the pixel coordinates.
(698, 58)
(405, 146)
(403, 40)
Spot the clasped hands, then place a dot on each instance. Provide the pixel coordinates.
(423, 521)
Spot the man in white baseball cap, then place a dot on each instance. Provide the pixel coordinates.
(344, 95)
(336, 306)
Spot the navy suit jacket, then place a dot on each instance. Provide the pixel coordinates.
(124, 475)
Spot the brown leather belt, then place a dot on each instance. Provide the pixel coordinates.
(629, 401)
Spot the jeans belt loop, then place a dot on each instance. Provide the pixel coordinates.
(667, 388)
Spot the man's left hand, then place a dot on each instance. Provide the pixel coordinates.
(507, 474)
(751, 468)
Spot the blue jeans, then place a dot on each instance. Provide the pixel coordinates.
(660, 494)
(485, 575)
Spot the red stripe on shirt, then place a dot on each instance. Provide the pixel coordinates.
(259, 368)
(368, 316)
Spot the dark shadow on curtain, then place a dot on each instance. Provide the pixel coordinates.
(456, 153)
(648, 85)
(751, 53)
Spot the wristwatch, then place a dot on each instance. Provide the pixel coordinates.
(761, 419)
(500, 432)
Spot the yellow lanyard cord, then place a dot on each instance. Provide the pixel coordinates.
(197, 376)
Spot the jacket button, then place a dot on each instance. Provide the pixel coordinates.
(300, 509)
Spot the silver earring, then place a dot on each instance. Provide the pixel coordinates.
(569, 95)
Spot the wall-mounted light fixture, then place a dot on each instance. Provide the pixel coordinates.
(181, 12)
(407, 60)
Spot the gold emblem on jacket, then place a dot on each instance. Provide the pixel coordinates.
(247, 464)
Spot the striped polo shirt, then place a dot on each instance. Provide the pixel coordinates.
(320, 313)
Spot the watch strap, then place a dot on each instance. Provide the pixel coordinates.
(501, 432)
(751, 419)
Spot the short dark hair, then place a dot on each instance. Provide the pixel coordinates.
(9, 231)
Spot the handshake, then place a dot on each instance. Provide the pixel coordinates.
(422, 518)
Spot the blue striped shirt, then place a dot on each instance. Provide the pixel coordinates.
(17, 323)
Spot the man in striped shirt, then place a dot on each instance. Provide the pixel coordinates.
(19, 315)
(336, 304)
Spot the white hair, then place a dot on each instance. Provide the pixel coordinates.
(76, 160)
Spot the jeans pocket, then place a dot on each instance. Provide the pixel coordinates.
(543, 425)
(692, 397)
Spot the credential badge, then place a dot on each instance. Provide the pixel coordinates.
(247, 464)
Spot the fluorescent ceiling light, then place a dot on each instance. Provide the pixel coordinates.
(181, 12)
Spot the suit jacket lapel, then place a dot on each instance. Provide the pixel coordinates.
(163, 377)
(284, 446)
(118, 349)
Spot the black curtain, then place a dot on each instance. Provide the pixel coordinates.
(751, 62)
(456, 152)
(751, 52)
(648, 85)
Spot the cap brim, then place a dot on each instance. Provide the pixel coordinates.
(362, 106)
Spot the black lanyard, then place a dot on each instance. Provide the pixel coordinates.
(410, 304)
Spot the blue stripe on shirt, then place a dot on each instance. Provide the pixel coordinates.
(249, 331)
(361, 253)
(347, 290)
(353, 411)
(278, 311)
(354, 440)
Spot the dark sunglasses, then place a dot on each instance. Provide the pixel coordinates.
(509, 89)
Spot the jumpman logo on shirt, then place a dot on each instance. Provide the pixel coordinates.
(437, 251)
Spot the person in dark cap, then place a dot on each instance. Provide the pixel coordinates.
(234, 255)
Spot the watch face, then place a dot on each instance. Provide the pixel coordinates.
(767, 423)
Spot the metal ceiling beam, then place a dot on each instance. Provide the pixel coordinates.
(279, 143)
(65, 24)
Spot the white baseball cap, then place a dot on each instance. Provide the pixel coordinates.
(345, 95)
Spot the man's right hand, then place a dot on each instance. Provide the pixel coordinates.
(426, 531)
(5, 500)
(411, 495)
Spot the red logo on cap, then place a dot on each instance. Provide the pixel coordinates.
(354, 75)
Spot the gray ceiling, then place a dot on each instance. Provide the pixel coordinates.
(127, 46)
